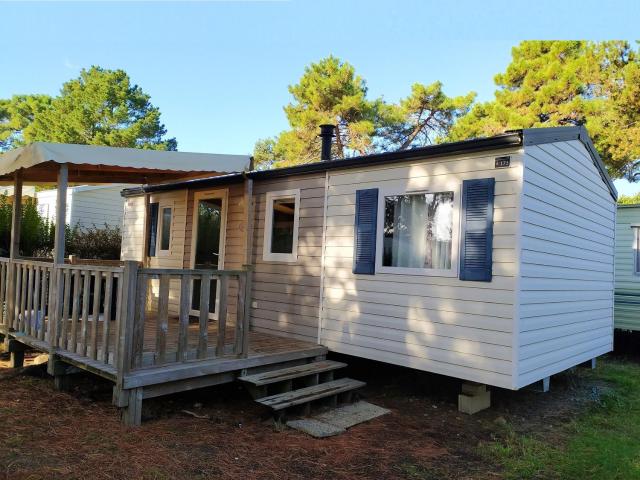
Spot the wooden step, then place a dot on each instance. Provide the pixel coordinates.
(283, 374)
(309, 394)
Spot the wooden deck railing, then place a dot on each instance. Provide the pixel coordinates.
(167, 327)
(65, 307)
(124, 317)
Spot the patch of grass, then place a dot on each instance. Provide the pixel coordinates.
(602, 443)
(414, 471)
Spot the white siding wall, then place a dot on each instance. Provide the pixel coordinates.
(47, 204)
(133, 229)
(97, 207)
(567, 247)
(627, 312)
(286, 296)
(438, 324)
(86, 206)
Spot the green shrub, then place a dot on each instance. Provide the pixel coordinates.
(37, 235)
(96, 243)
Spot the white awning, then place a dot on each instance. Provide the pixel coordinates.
(91, 162)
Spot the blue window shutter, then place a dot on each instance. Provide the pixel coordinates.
(476, 245)
(153, 229)
(364, 255)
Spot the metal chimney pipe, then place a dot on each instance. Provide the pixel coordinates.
(326, 133)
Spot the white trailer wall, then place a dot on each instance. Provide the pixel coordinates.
(566, 287)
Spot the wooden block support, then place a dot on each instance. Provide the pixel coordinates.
(546, 384)
(132, 413)
(474, 398)
(16, 359)
(62, 383)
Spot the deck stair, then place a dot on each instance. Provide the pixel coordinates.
(298, 386)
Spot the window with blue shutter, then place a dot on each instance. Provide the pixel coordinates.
(476, 239)
(366, 224)
(153, 229)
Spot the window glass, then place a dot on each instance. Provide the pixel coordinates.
(636, 253)
(283, 219)
(418, 230)
(166, 229)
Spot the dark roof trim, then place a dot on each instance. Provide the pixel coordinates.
(220, 180)
(515, 138)
(537, 136)
(507, 140)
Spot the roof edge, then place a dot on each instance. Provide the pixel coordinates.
(537, 136)
(506, 140)
(226, 179)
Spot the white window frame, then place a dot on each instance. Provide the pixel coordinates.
(432, 187)
(267, 255)
(636, 249)
(161, 208)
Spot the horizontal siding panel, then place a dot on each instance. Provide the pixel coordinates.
(419, 339)
(346, 275)
(435, 354)
(420, 363)
(406, 301)
(567, 262)
(537, 309)
(533, 342)
(551, 369)
(420, 325)
(565, 351)
(351, 311)
(360, 286)
(543, 322)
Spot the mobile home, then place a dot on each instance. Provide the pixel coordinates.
(88, 206)
(627, 290)
(490, 260)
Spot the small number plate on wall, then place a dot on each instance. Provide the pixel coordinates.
(503, 162)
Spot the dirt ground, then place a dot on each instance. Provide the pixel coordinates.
(48, 434)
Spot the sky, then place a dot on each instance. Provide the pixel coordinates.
(219, 71)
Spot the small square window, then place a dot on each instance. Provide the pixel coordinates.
(281, 226)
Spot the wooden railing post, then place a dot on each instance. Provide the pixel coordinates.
(243, 315)
(127, 312)
(11, 294)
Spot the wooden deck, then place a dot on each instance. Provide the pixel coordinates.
(105, 320)
(259, 343)
(262, 346)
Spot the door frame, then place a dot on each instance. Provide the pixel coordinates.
(222, 194)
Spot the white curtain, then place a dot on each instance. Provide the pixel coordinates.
(418, 230)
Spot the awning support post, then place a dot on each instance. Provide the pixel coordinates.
(14, 247)
(61, 214)
(16, 218)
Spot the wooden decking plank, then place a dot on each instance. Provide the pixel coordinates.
(85, 363)
(309, 394)
(283, 374)
(181, 371)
